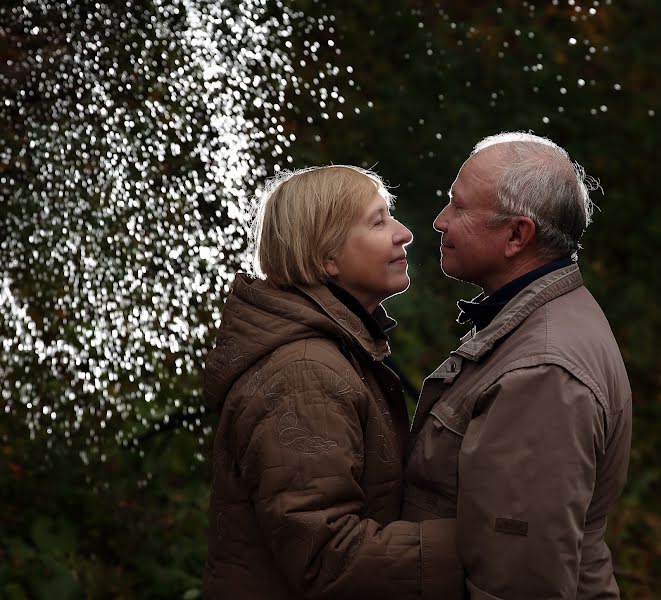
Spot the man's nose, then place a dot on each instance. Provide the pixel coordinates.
(440, 222)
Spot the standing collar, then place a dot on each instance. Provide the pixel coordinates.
(375, 329)
(482, 309)
(350, 322)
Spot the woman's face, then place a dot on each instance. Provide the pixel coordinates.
(371, 264)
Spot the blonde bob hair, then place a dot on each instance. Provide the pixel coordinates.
(303, 218)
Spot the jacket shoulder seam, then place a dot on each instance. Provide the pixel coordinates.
(537, 360)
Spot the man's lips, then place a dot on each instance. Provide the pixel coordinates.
(399, 260)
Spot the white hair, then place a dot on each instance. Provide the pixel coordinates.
(540, 181)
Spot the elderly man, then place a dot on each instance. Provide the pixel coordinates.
(524, 431)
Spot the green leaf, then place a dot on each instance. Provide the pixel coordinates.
(54, 537)
(13, 591)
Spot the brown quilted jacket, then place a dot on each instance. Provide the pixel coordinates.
(307, 480)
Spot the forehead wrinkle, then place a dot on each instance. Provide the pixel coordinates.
(489, 164)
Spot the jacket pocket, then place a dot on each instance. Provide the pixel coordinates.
(432, 468)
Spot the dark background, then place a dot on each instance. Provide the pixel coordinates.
(115, 507)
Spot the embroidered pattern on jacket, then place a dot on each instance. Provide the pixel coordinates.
(270, 392)
(300, 530)
(350, 321)
(383, 442)
(227, 353)
(300, 439)
(340, 390)
(356, 541)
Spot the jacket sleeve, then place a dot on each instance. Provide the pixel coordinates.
(302, 462)
(527, 469)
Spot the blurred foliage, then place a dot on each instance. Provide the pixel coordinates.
(129, 526)
(418, 84)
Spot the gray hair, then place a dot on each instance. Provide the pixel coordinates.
(539, 181)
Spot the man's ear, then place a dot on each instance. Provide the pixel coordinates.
(522, 234)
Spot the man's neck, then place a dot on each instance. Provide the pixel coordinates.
(516, 270)
(482, 309)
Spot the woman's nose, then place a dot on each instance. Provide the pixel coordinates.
(403, 235)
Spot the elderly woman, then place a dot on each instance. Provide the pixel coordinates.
(307, 485)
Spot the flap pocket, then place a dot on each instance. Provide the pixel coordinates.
(449, 418)
(433, 464)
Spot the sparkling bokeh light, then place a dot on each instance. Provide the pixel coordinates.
(137, 133)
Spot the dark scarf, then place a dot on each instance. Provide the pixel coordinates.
(371, 324)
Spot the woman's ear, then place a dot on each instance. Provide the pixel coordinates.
(330, 266)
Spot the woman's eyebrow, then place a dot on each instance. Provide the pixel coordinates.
(378, 212)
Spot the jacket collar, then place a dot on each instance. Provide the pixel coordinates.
(339, 312)
(371, 323)
(476, 344)
(482, 309)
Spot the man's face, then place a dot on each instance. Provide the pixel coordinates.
(471, 251)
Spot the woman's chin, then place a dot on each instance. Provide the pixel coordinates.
(402, 287)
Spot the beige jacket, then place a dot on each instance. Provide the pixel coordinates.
(523, 434)
(308, 459)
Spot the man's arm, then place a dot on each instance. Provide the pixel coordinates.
(527, 470)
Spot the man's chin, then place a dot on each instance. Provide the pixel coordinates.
(446, 268)
(449, 274)
(457, 276)
(448, 271)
